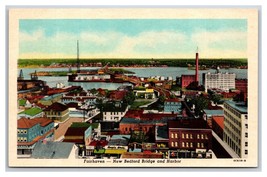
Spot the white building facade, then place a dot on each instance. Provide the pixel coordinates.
(236, 127)
(222, 81)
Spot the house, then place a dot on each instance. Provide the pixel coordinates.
(54, 150)
(113, 112)
(24, 103)
(30, 131)
(82, 134)
(57, 112)
(190, 137)
(117, 145)
(145, 93)
(31, 113)
(173, 105)
(49, 100)
(209, 113)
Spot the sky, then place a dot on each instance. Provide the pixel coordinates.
(133, 38)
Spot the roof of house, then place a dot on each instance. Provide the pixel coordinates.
(219, 120)
(51, 97)
(32, 111)
(52, 150)
(173, 100)
(84, 124)
(134, 113)
(22, 102)
(117, 95)
(75, 131)
(119, 140)
(72, 105)
(56, 107)
(28, 123)
(110, 107)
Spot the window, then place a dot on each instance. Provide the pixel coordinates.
(246, 135)
(198, 145)
(191, 136)
(246, 144)
(182, 135)
(25, 131)
(202, 145)
(198, 136)
(18, 131)
(246, 152)
(182, 144)
(176, 144)
(206, 137)
(187, 136)
(172, 144)
(246, 125)
(202, 136)
(176, 135)
(126, 129)
(191, 144)
(187, 144)
(25, 139)
(172, 135)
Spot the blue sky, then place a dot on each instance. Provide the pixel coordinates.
(133, 38)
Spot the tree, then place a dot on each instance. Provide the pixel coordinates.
(129, 98)
(200, 103)
(162, 98)
(216, 98)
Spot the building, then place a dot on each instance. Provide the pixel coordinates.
(117, 145)
(186, 80)
(114, 112)
(173, 105)
(190, 137)
(242, 85)
(57, 112)
(31, 113)
(30, 131)
(54, 150)
(236, 127)
(210, 113)
(219, 80)
(145, 93)
(49, 100)
(218, 125)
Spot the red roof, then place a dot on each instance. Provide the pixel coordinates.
(219, 120)
(117, 95)
(134, 113)
(28, 123)
(173, 100)
(101, 143)
(56, 107)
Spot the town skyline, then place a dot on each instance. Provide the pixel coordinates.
(133, 38)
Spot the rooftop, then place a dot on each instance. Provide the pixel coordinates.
(75, 131)
(22, 102)
(213, 112)
(173, 100)
(238, 106)
(47, 98)
(110, 107)
(32, 111)
(28, 123)
(52, 150)
(188, 123)
(219, 120)
(84, 124)
(56, 107)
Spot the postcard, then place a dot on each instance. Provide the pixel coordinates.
(133, 87)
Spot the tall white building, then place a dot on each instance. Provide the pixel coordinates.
(236, 127)
(218, 80)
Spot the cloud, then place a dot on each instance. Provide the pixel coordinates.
(148, 44)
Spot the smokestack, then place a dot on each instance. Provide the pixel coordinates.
(78, 59)
(196, 75)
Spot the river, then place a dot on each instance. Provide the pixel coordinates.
(141, 72)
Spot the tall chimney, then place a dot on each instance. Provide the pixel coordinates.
(196, 75)
(78, 59)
